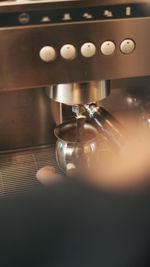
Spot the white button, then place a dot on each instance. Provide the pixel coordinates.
(127, 46)
(108, 48)
(47, 53)
(88, 50)
(68, 52)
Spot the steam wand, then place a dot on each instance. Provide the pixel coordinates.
(108, 126)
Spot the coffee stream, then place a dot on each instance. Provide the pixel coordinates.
(80, 120)
(78, 132)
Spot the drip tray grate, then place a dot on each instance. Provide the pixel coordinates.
(18, 169)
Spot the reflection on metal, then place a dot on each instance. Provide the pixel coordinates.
(71, 151)
(108, 126)
(79, 93)
(27, 118)
(21, 66)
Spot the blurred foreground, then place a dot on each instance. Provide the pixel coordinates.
(114, 169)
(84, 219)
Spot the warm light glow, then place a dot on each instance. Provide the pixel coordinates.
(129, 168)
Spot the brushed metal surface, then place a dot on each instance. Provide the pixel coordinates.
(79, 93)
(27, 118)
(12, 6)
(21, 66)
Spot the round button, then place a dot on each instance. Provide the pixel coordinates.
(88, 50)
(47, 53)
(108, 48)
(68, 52)
(127, 46)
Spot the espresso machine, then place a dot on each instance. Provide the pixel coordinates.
(59, 59)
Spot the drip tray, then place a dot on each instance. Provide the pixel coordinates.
(18, 169)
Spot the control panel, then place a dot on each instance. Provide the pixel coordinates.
(87, 50)
(76, 14)
(78, 44)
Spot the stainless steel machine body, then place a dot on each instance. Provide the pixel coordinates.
(28, 117)
(79, 93)
(22, 67)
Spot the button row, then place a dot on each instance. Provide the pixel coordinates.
(88, 50)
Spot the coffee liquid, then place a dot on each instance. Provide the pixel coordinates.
(70, 135)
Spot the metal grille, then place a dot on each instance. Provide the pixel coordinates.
(18, 169)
